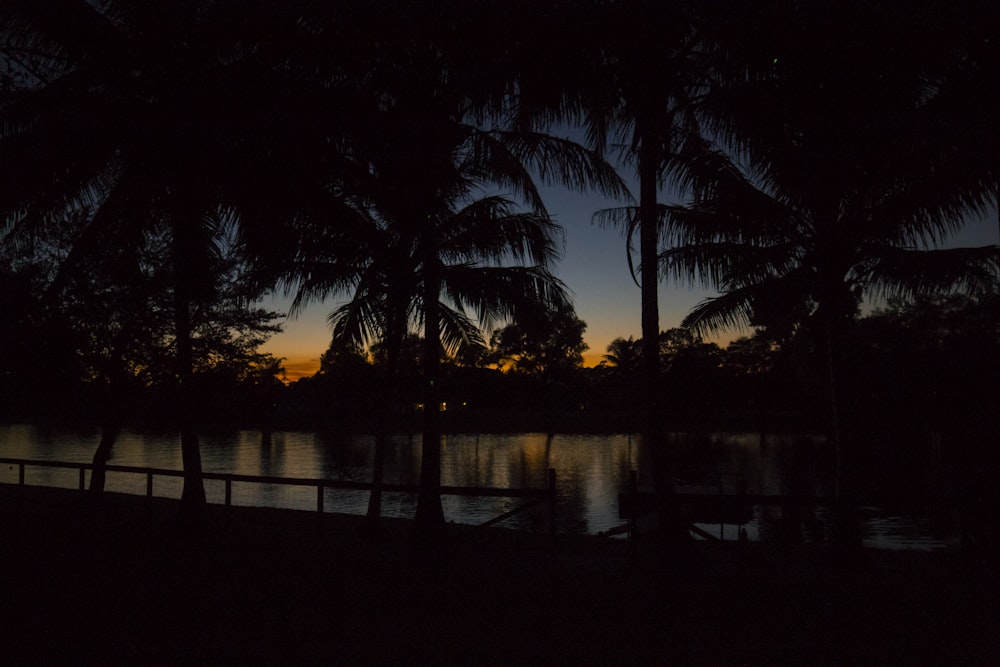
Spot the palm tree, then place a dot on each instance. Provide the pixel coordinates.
(476, 262)
(657, 71)
(422, 235)
(631, 74)
(623, 355)
(485, 258)
(826, 201)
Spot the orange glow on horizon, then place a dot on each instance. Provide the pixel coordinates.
(297, 368)
(300, 366)
(592, 358)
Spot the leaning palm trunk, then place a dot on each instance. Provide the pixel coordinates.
(98, 475)
(111, 423)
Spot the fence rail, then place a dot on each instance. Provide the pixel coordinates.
(534, 496)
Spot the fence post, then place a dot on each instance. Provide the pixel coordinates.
(633, 491)
(20, 474)
(552, 503)
(83, 485)
(149, 485)
(319, 498)
(229, 491)
(722, 512)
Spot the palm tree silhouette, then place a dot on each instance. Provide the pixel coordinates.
(827, 200)
(658, 72)
(428, 232)
(476, 262)
(465, 259)
(632, 74)
(657, 69)
(623, 355)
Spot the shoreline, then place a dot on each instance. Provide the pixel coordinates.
(119, 583)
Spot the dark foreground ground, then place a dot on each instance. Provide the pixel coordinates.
(120, 584)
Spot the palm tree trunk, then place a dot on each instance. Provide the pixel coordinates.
(649, 279)
(670, 527)
(381, 438)
(394, 339)
(846, 534)
(374, 513)
(193, 494)
(429, 520)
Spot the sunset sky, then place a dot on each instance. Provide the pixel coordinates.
(594, 267)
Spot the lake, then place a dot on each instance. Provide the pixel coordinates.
(591, 471)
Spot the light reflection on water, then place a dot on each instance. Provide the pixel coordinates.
(592, 470)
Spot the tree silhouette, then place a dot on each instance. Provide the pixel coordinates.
(429, 230)
(624, 355)
(116, 305)
(39, 373)
(137, 115)
(465, 253)
(830, 199)
(930, 362)
(654, 54)
(631, 74)
(657, 70)
(549, 345)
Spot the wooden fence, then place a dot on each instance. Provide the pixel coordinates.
(532, 497)
(735, 508)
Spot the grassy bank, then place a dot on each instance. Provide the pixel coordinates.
(120, 583)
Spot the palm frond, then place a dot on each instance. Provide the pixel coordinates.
(490, 160)
(708, 265)
(714, 316)
(623, 218)
(310, 282)
(897, 273)
(458, 331)
(726, 204)
(559, 161)
(716, 265)
(499, 294)
(358, 323)
(48, 40)
(490, 230)
(626, 219)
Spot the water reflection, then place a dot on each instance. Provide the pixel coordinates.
(592, 471)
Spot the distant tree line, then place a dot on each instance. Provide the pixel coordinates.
(927, 366)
